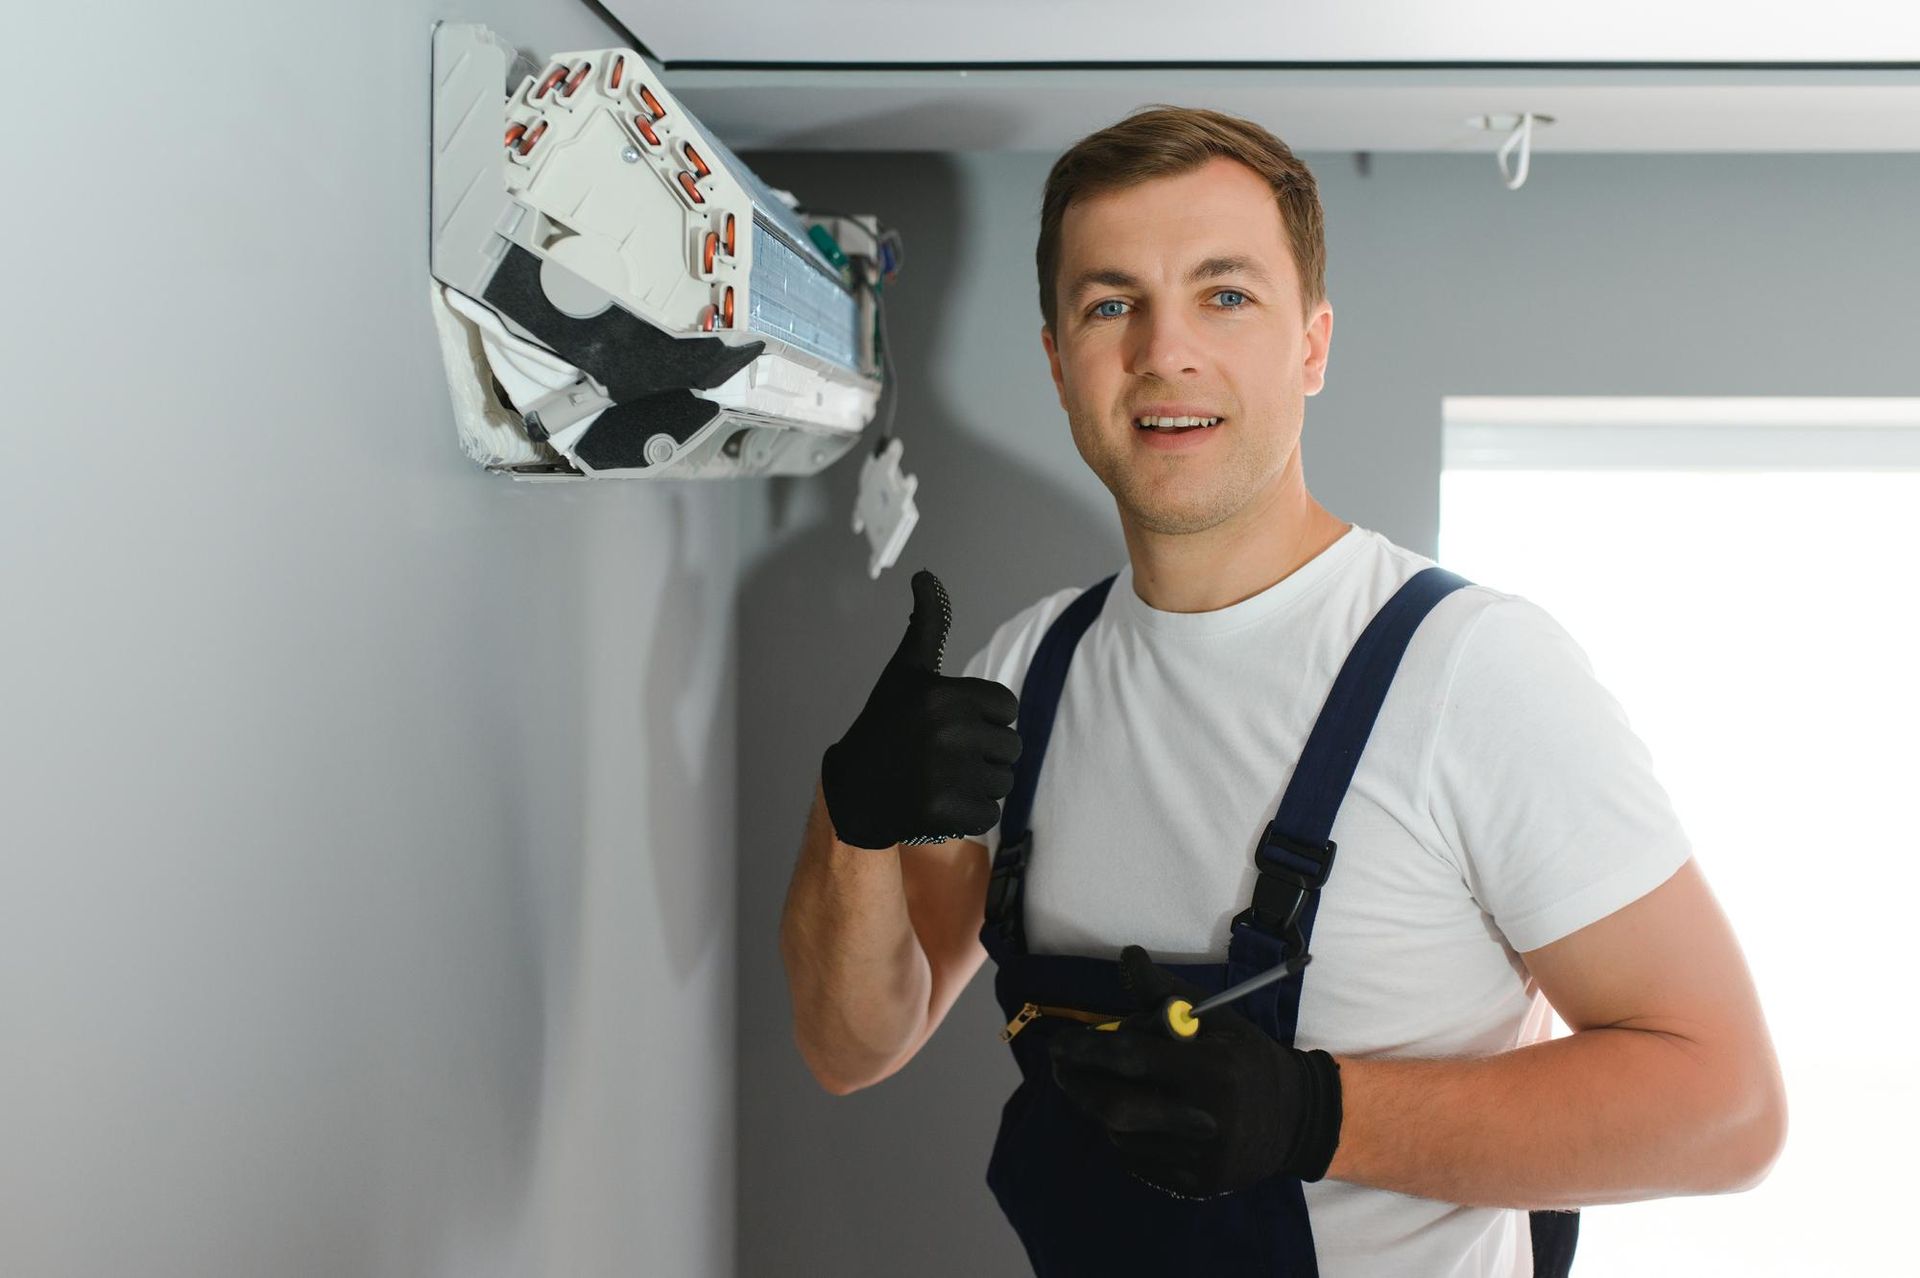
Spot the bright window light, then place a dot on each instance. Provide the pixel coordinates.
(1741, 574)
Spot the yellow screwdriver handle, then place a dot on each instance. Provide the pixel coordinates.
(1180, 1020)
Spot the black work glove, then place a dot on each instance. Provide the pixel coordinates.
(930, 757)
(1205, 1115)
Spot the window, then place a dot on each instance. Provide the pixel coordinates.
(1741, 573)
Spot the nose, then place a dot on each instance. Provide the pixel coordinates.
(1163, 343)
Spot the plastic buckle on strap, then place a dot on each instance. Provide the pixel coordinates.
(1004, 884)
(1290, 871)
(1306, 865)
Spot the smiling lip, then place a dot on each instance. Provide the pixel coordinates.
(1176, 441)
(1172, 410)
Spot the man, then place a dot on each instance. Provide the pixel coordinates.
(1396, 1107)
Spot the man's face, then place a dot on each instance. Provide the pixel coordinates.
(1179, 296)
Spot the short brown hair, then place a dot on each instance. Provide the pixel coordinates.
(1166, 141)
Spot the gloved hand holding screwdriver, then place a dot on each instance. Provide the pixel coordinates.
(930, 757)
(1205, 1113)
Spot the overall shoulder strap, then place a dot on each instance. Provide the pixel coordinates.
(1039, 701)
(1295, 855)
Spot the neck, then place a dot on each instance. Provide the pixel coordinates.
(1237, 558)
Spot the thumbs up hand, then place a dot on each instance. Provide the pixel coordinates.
(930, 757)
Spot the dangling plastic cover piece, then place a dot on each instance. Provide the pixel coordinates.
(884, 510)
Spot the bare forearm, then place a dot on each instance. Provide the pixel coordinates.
(1604, 1116)
(859, 979)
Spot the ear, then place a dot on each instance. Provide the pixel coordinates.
(1319, 346)
(1053, 364)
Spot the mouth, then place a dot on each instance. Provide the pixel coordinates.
(1175, 425)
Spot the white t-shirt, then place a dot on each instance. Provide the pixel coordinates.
(1502, 802)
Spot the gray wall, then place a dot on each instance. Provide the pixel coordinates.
(1603, 275)
(366, 896)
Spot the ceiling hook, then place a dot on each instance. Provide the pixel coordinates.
(1522, 137)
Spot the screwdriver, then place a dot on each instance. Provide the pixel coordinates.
(1182, 1018)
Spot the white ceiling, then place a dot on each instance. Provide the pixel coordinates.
(1619, 111)
(988, 32)
(1385, 75)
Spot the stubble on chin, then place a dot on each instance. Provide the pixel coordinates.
(1154, 494)
(1159, 512)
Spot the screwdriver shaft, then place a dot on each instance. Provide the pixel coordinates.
(1280, 972)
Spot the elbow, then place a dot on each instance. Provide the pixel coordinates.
(833, 1086)
(1763, 1138)
(833, 1080)
(841, 1085)
(1771, 1140)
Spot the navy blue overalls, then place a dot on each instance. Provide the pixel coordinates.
(1053, 1171)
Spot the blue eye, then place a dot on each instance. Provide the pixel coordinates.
(1228, 292)
(1102, 313)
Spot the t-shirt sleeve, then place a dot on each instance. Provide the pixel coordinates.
(1539, 786)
